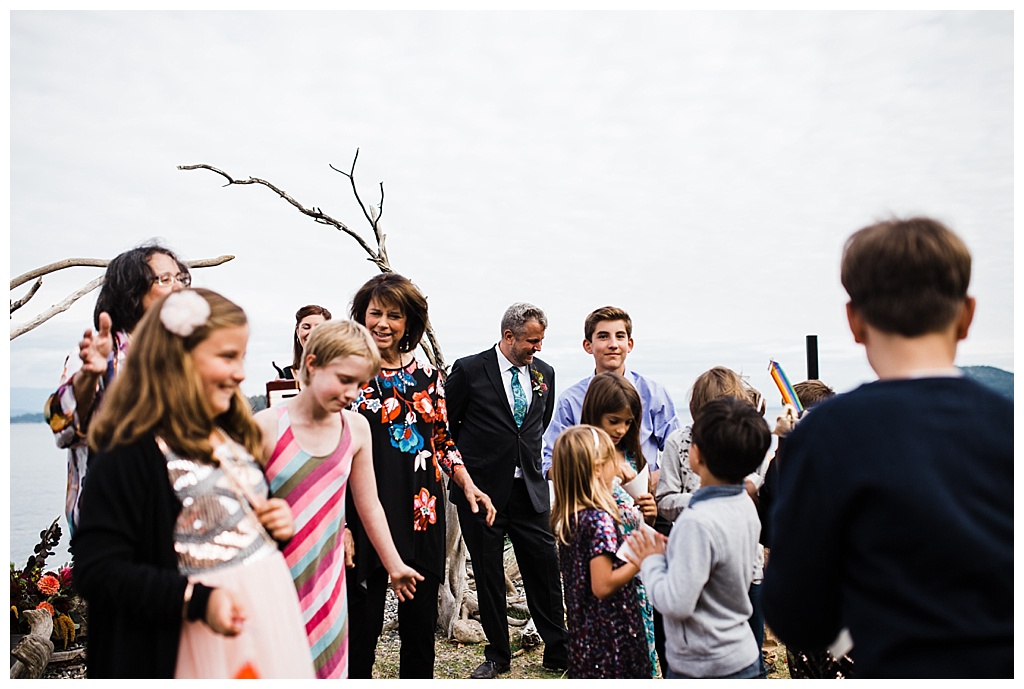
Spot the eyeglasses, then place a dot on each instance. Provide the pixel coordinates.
(165, 279)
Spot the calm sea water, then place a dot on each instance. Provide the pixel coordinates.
(38, 485)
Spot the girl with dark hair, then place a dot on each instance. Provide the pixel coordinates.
(405, 405)
(305, 318)
(134, 281)
(177, 550)
(613, 405)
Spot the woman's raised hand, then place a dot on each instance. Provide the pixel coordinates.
(94, 348)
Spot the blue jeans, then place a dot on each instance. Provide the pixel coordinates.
(752, 671)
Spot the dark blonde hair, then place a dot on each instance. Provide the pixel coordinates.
(606, 313)
(578, 453)
(332, 340)
(714, 383)
(392, 289)
(159, 392)
(308, 310)
(907, 277)
(608, 393)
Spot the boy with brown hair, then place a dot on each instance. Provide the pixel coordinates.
(894, 515)
(608, 337)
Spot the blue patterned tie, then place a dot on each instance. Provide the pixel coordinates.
(518, 396)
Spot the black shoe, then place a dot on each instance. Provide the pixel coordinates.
(555, 666)
(489, 670)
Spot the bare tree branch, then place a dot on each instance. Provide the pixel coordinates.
(59, 265)
(66, 303)
(319, 216)
(101, 263)
(56, 308)
(18, 303)
(430, 346)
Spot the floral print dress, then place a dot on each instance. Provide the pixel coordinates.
(606, 637)
(411, 447)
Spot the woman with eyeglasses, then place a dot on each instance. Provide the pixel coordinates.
(134, 281)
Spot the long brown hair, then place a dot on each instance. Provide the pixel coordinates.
(578, 453)
(158, 391)
(608, 393)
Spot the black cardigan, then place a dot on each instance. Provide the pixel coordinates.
(125, 565)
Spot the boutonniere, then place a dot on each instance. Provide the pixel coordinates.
(539, 386)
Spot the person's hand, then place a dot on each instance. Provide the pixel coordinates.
(403, 581)
(224, 614)
(643, 543)
(350, 548)
(474, 496)
(276, 517)
(626, 472)
(647, 506)
(750, 488)
(94, 348)
(786, 422)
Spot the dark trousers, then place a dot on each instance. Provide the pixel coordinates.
(417, 622)
(530, 533)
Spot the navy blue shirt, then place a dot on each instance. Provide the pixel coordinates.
(894, 519)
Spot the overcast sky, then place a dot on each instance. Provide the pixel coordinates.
(701, 170)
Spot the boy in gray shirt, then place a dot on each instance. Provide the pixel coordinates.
(699, 579)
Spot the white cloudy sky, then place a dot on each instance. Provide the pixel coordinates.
(701, 170)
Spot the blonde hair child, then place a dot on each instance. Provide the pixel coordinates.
(315, 449)
(606, 631)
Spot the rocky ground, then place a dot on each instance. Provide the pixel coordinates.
(457, 661)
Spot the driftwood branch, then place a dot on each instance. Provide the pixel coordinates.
(430, 346)
(66, 303)
(59, 265)
(318, 216)
(33, 652)
(18, 303)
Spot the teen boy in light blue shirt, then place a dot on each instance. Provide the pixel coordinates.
(608, 337)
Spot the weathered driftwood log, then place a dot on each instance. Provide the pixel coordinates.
(33, 652)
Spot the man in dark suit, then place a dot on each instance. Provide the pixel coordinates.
(499, 403)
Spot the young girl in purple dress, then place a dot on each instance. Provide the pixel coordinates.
(607, 638)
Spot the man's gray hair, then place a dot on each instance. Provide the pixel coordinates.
(519, 314)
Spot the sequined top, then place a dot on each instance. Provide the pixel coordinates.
(216, 526)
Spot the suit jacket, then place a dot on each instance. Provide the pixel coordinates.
(485, 431)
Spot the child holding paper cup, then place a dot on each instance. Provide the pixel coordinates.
(613, 405)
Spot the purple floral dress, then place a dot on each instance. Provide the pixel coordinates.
(411, 447)
(607, 638)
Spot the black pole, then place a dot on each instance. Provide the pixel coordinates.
(812, 357)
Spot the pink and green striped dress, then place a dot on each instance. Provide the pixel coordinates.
(314, 487)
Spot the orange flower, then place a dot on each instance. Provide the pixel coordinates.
(48, 585)
(45, 606)
(423, 404)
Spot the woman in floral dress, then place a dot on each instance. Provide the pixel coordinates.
(405, 406)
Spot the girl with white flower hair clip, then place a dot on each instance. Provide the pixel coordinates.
(177, 548)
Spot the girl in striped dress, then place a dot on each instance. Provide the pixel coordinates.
(314, 448)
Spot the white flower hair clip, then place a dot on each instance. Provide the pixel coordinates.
(183, 312)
